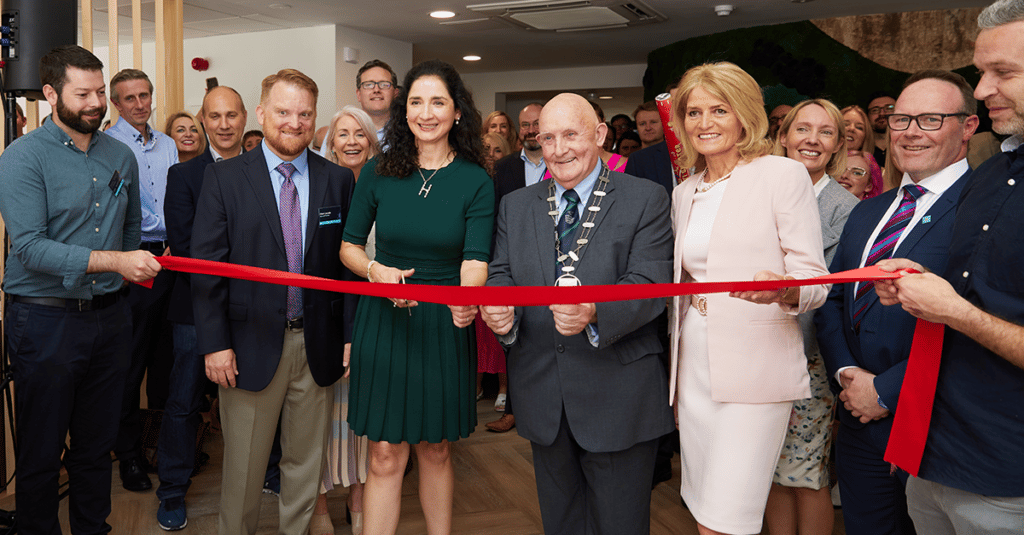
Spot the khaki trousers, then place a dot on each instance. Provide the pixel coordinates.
(249, 420)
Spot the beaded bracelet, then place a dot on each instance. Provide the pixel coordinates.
(368, 266)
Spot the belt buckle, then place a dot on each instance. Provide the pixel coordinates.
(294, 324)
(81, 305)
(701, 304)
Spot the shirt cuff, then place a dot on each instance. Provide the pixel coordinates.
(592, 334)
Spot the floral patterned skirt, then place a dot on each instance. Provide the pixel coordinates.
(804, 459)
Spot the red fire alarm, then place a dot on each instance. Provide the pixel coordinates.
(200, 64)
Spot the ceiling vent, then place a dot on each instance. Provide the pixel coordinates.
(570, 15)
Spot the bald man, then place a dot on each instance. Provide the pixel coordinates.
(591, 393)
(223, 117)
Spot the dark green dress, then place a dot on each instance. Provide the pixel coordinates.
(414, 376)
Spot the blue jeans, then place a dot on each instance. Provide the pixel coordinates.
(177, 444)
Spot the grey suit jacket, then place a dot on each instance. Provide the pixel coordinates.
(613, 395)
(834, 207)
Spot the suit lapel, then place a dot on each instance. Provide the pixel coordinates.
(544, 229)
(942, 207)
(317, 193)
(681, 205)
(259, 179)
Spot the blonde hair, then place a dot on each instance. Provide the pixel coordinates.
(290, 76)
(512, 134)
(365, 122)
(495, 138)
(869, 133)
(201, 142)
(731, 84)
(837, 163)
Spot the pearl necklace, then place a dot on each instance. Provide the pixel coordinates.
(703, 188)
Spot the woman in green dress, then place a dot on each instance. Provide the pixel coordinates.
(414, 364)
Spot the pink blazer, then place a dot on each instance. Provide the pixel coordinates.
(768, 220)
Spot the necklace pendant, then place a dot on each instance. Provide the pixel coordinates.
(568, 280)
(424, 190)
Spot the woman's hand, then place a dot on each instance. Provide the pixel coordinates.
(381, 273)
(463, 316)
(347, 359)
(767, 297)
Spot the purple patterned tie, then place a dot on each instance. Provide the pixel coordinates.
(885, 244)
(291, 227)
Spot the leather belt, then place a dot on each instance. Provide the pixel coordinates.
(294, 325)
(699, 302)
(98, 302)
(154, 246)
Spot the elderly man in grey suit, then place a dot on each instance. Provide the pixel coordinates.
(591, 391)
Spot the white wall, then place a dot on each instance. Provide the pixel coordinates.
(489, 89)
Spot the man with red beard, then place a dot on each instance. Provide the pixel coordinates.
(70, 199)
(273, 349)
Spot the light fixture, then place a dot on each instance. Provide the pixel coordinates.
(800, 1)
(279, 6)
(605, 97)
(442, 14)
(471, 57)
(723, 10)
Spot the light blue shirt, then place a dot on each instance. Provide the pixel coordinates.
(154, 158)
(300, 177)
(534, 173)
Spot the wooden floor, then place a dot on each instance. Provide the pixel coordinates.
(495, 493)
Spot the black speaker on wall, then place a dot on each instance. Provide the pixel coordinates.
(28, 30)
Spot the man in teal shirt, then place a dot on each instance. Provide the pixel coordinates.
(70, 200)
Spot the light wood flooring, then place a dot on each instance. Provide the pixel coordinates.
(495, 493)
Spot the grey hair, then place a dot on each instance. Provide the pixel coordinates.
(365, 122)
(1001, 12)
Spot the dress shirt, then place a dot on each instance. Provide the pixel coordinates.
(155, 157)
(583, 189)
(216, 155)
(534, 172)
(300, 177)
(59, 206)
(820, 185)
(977, 426)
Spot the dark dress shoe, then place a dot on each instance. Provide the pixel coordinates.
(134, 476)
(503, 424)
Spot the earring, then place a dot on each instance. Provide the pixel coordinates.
(456, 120)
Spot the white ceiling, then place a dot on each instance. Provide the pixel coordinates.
(503, 47)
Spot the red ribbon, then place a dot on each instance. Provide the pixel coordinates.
(510, 295)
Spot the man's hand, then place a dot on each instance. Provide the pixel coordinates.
(572, 319)
(463, 316)
(859, 395)
(931, 298)
(499, 318)
(886, 289)
(221, 367)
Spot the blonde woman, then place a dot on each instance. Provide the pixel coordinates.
(737, 364)
(187, 134)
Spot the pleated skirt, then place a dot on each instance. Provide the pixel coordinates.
(348, 455)
(413, 375)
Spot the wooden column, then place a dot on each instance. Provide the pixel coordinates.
(137, 34)
(113, 49)
(170, 66)
(87, 24)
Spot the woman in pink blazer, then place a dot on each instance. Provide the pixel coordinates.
(737, 360)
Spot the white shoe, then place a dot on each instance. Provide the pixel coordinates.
(499, 403)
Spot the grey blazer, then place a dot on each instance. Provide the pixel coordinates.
(834, 207)
(614, 394)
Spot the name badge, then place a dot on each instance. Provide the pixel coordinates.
(330, 215)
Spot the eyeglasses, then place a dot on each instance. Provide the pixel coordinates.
(858, 172)
(925, 121)
(875, 110)
(368, 85)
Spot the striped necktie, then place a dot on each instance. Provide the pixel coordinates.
(884, 246)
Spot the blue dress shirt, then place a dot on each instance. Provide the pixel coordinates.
(155, 158)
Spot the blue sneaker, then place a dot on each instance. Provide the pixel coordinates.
(171, 514)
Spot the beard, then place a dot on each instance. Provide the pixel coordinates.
(290, 146)
(531, 144)
(77, 121)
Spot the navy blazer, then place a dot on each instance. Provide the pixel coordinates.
(883, 344)
(237, 221)
(184, 182)
(652, 163)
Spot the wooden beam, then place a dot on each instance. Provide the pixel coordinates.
(31, 115)
(87, 25)
(113, 52)
(137, 34)
(170, 67)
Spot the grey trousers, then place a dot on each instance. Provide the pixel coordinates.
(940, 510)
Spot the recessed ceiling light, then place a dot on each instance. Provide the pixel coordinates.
(605, 97)
(471, 58)
(279, 6)
(800, 1)
(442, 14)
